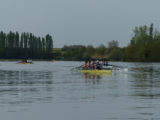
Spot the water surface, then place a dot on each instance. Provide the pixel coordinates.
(54, 90)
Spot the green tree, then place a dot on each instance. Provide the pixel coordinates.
(49, 46)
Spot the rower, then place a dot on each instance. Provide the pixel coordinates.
(98, 65)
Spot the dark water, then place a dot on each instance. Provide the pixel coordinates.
(55, 91)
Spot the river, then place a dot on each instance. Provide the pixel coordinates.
(56, 91)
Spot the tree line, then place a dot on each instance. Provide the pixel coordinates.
(80, 52)
(17, 46)
(144, 46)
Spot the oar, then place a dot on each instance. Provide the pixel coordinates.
(120, 67)
(77, 68)
(115, 66)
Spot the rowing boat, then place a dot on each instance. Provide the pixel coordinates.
(100, 72)
(25, 63)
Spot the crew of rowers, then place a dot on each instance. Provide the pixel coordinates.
(27, 60)
(95, 64)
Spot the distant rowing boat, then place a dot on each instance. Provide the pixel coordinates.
(24, 63)
(52, 60)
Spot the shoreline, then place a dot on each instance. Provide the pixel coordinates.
(10, 60)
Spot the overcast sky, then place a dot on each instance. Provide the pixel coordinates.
(83, 22)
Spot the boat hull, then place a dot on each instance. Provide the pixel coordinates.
(25, 63)
(96, 71)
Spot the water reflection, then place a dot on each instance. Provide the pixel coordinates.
(90, 78)
(145, 82)
(18, 87)
(94, 78)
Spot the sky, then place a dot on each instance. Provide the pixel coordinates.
(85, 22)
